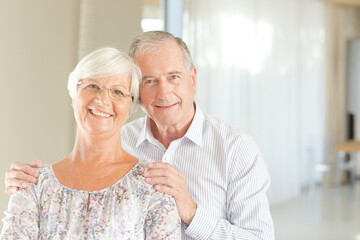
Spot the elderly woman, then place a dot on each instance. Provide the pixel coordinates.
(98, 191)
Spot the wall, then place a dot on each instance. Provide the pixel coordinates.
(353, 82)
(108, 23)
(38, 48)
(352, 44)
(40, 44)
(342, 25)
(351, 25)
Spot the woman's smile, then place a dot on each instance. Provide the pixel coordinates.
(99, 113)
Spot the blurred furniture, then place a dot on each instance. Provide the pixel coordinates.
(346, 163)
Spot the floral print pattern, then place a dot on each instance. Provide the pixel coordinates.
(129, 209)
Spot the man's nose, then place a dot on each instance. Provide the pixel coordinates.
(164, 90)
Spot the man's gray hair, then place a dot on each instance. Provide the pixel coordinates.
(106, 62)
(147, 40)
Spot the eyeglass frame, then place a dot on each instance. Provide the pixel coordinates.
(129, 94)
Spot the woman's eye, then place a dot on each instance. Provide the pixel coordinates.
(93, 86)
(118, 93)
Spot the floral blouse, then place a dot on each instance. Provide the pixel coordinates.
(129, 209)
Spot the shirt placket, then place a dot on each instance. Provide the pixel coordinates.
(168, 156)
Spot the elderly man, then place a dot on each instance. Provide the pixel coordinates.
(216, 174)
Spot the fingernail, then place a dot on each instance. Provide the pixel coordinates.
(24, 185)
(33, 180)
(150, 165)
(146, 174)
(148, 179)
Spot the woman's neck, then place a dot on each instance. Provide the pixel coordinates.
(93, 150)
(95, 163)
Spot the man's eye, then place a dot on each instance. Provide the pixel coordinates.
(173, 77)
(149, 81)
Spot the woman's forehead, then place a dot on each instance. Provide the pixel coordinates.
(122, 79)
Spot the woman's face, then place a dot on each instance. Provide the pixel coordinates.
(98, 113)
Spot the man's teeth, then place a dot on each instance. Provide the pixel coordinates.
(100, 113)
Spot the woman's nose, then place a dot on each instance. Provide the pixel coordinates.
(103, 96)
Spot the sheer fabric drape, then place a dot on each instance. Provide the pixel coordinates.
(261, 68)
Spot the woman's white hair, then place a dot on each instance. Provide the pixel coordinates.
(106, 62)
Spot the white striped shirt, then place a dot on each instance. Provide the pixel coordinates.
(225, 175)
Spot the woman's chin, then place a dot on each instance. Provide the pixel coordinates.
(100, 130)
(103, 128)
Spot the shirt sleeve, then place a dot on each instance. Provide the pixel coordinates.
(21, 219)
(162, 219)
(248, 213)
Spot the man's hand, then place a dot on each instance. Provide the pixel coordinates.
(170, 181)
(20, 175)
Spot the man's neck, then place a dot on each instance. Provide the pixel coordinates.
(166, 134)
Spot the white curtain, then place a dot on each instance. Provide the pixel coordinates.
(261, 68)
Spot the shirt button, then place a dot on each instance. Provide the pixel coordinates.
(167, 159)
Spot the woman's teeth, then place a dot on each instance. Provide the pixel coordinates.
(97, 113)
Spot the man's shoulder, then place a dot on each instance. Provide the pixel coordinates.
(220, 125)
(134, 126)
(221, 129)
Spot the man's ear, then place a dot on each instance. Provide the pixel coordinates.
(193, 79)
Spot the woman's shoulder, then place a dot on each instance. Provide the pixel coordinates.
(45, 180)
(136, 175)
(45, 172)
(45, 169)
(141, 167)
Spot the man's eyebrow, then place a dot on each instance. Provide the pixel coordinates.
(174, 72)
(147, 77)
(168, 73)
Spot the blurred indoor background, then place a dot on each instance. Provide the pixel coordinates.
(287, 72)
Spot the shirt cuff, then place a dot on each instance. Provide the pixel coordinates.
(202, 224)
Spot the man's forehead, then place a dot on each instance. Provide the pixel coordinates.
(165, 61)
(168, 73)
(155, 48)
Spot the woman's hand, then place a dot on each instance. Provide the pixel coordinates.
(170, 181)
(20, 175)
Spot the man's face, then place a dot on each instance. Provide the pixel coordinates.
(167, 89)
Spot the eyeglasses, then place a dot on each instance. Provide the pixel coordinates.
(115, 93)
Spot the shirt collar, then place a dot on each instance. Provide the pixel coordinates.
(194, 133)
(145, 132)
